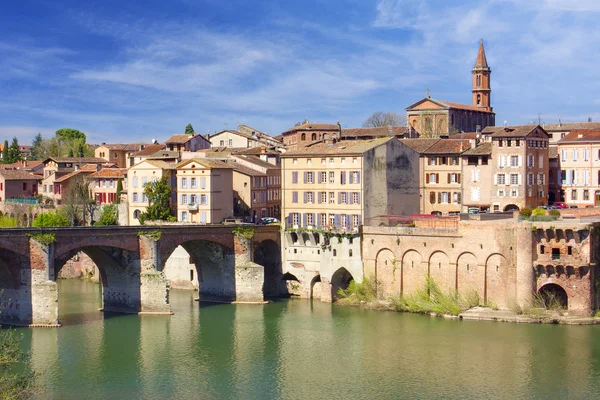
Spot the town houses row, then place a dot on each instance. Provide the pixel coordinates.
(450, 158)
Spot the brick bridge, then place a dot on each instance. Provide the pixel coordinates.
(230, 267)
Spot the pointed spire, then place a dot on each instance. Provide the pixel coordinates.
(481, 60)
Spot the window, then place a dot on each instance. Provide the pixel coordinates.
(514, 193)
(135, 182)
(332, 219)
(331, 197)
(456, 197)
(303, 137)
(508, 142)
(344, 220)
(475, 196)
(563, 155)
(444, 197)
(518, 143)
(354, 177)
(355, 198)
(310, 219)
(431, 161)
(323, 177)
(24, 185)
(514, 179)
(309, 160)
(514, 161)
(203, 200)
(500, 179)
(134, 197)
(356, 220)
(294, 197)
(343, 160)
(586, 194)
(323, 219)
(343, 198)
(193, 199)
(575, 152)
(202, 183)
(323, 197)
(331, 177)
(193, 183)
(323, 161)
(310, 177)
(222, 143)
(230, 142)
(530, 179)
(540, 178)
(144, 181)
(296, 218)
(310, 197)
(586, 154)
(343, 177)
(574, 194)
(501, 193)
(541, 161)
(294, 176)
(354, 160)
(432, 178)
(184, 199)
(184, 183)
(453, 178)
(331, 161)
(184, 216)
(294, 161)
(432, 197)
(500, 143)
(530, 161)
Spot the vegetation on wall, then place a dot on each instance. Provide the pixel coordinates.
(51, 218)
(244, 231)
(43, 238)
(152, 235)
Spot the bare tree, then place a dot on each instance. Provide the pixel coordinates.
(380, 118)
(77, 203)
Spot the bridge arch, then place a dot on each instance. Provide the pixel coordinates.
(14, 302)
(470, 276)
(268, 254)
(413, 272)
(340, 280)
(554, 294)
(441, 271)
(387, 273)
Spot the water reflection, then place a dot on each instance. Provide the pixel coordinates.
(303, 349)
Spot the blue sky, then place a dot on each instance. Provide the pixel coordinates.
(128, 71)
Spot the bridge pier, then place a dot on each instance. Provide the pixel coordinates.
(41, 285)
(249, 276)
(154, 287)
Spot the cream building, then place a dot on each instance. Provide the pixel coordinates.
(343, 185)
(118, 154)
(477, 178)
(579, 167)
(204, 191)
(142, 173)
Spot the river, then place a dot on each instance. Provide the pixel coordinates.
(298, 349)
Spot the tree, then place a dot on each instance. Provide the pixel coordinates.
(13, 385)
(119, 190)
(189, 129)
(5, 155)
(159, 201)
(380, 118)
(77, 202)
(36, 147)
(14, 152)
(108, 216)
(68, 134)
(51, 218)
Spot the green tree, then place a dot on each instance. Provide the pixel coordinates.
(189, 129)
(51, 218)
(119, 190)
(14, 152)
(108, 216)
(68, 134)
(13, 385)
(159, 201)
(36, 147)
(5, 155)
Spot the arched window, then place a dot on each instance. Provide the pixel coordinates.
(334, 252)
(136, 214)
(314, 136)
(478, 80)
(478, 99)
(303, 137)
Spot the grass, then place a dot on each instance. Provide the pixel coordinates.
(432, 299)
(356, 293)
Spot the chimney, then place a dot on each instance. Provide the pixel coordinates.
(25, 163)
(589, 119)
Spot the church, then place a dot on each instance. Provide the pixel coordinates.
(430, 118)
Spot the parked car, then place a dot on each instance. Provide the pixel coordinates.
(560, 204)
(267, 221)
(573, 206)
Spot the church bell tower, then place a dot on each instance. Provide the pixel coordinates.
(481, 81)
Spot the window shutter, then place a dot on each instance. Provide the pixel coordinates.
(358, 198)
(351, 177)
(437, 178)
(459, 198)
(319, 177)
(289, 219)
(304, 219)
(458, 178)
(426, 178)
(358, 177)
(439, 197)
(348, 198)
(520, 179)
(520, 161)
(449, 178)
(337, 220)
(339, 197)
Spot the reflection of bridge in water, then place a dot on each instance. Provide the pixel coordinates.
(131, 261)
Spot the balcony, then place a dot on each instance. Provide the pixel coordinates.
(192, 206)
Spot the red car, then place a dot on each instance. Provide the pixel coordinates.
(560, 204)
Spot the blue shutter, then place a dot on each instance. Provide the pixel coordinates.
(304, 219)
(304, 197)
(305, 173)
(348, 199)
(358, 177)
(289, 219)
(350, 177)
(319, 177)
(315, 222)
(337, 220)
(358, 198)
(339, 197)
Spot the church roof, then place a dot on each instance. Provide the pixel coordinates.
(448, 105)
(481, 61)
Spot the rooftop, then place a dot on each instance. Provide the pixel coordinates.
(257, 161)
(123, 147)
(77, 160)
(510, 131)
(343, 147)
(206, 162)
(110, 173)
(448, 146)
(312, 126)
(379, 131)
(569, 126)
(149, 150)
(581, 136)
(182, 138)
(17, 175)
(484, 149)
(419, 145)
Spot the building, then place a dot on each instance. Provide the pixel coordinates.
(477, 177)
(341, 185)
(15, 184)
(148, 151)
(578, 178)
(56, 168)
(374, 132)
(142, 173)
(307, 133)
(104, 184)
(433, 118)
(185, 142)
(205, 191)
(248, 195)
(244, 137)
(561, 129)
(521, 167)
(118, 154)
(266, 188)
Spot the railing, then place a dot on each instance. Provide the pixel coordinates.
(192, 206)
(32, 201)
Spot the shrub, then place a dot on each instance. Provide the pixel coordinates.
(358, 292)
(538, 211)
(8, 222)
(554, 213)
(525, 212)
(543, 218)
(108, 216)
(51, 218)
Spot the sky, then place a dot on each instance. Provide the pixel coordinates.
(133, 71)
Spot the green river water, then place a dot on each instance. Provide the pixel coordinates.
(298, 349)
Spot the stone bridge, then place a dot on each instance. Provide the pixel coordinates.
(131, 261)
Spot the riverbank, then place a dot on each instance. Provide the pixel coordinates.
(483, 314)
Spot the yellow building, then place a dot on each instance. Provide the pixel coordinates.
(118, 154)
(343, 185)
(579, 167)
(204, 190)
(142, 173)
